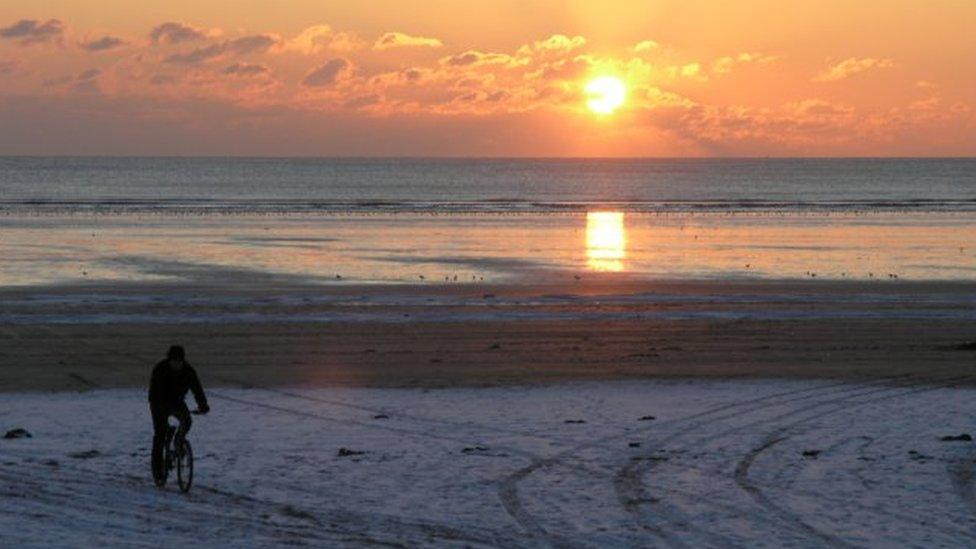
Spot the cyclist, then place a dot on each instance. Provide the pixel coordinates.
(171, 379)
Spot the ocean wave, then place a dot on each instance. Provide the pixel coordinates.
(486, 206)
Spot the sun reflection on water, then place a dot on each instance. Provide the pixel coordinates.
(606, 241)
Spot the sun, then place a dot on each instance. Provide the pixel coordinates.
(605, 94)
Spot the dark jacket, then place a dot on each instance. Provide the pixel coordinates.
(168, 387)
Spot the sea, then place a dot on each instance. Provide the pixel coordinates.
(434, 221)
(283, 185)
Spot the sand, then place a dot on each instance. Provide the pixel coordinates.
(731, 463)
(807, 414)
(100, 336)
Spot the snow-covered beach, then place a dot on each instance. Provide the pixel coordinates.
(636, 463)
(512, 374)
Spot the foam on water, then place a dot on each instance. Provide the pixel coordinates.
(256, 185)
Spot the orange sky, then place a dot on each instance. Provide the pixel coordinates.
(499, 78)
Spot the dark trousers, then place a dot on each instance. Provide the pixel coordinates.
(160, 418)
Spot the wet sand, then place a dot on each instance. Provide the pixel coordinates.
(476, 335)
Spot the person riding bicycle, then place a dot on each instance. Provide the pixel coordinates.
(171, 379)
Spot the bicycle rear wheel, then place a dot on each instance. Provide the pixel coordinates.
(184, 467)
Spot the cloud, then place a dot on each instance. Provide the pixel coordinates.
(928, 104)
(328, 73)
(473, 58)
(817, 108)
(175, 33)
(105, 43)
(32, 31)
(88, 74)
(162, 79)
(318, 38)
(563, 69)
(724, 65)
(400, 40)
(9, 66)
(253, 43)
(541, 80)
(558, 43)
(363, 101)
(645, 46)
(311, 40)
(196, 56)
(413, 74)
(245, 69)
(852, 66)
(60, 80)
(257, 43)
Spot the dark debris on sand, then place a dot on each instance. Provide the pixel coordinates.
(914, 455)
(481, 451)
(19, 432)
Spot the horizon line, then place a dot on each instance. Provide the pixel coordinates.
(474, 157)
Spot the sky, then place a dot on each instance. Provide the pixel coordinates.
(487, 78)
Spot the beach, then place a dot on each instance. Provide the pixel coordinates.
(108, 336)
(479, 371)
(592, 413)
(498, 274)
(809, 463)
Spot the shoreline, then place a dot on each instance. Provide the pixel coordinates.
(549, 282)
(477, 335)
(73, 358)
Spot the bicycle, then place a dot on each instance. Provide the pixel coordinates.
(177, 454)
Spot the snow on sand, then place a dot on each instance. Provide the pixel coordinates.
(722, 463)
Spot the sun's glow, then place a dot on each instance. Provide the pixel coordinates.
(605, 94)
(606, 242)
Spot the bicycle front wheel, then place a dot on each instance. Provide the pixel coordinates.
(184, 467)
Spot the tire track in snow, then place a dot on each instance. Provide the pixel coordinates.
(962, 475)
(772, 440)
(628, 484)
(632, 494)
(508, 486)
(79, 491)
(403, 431)
(741, 474)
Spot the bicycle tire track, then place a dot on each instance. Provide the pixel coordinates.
(508, 486)
(741, 472)
(630, 488)
(259, 515)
